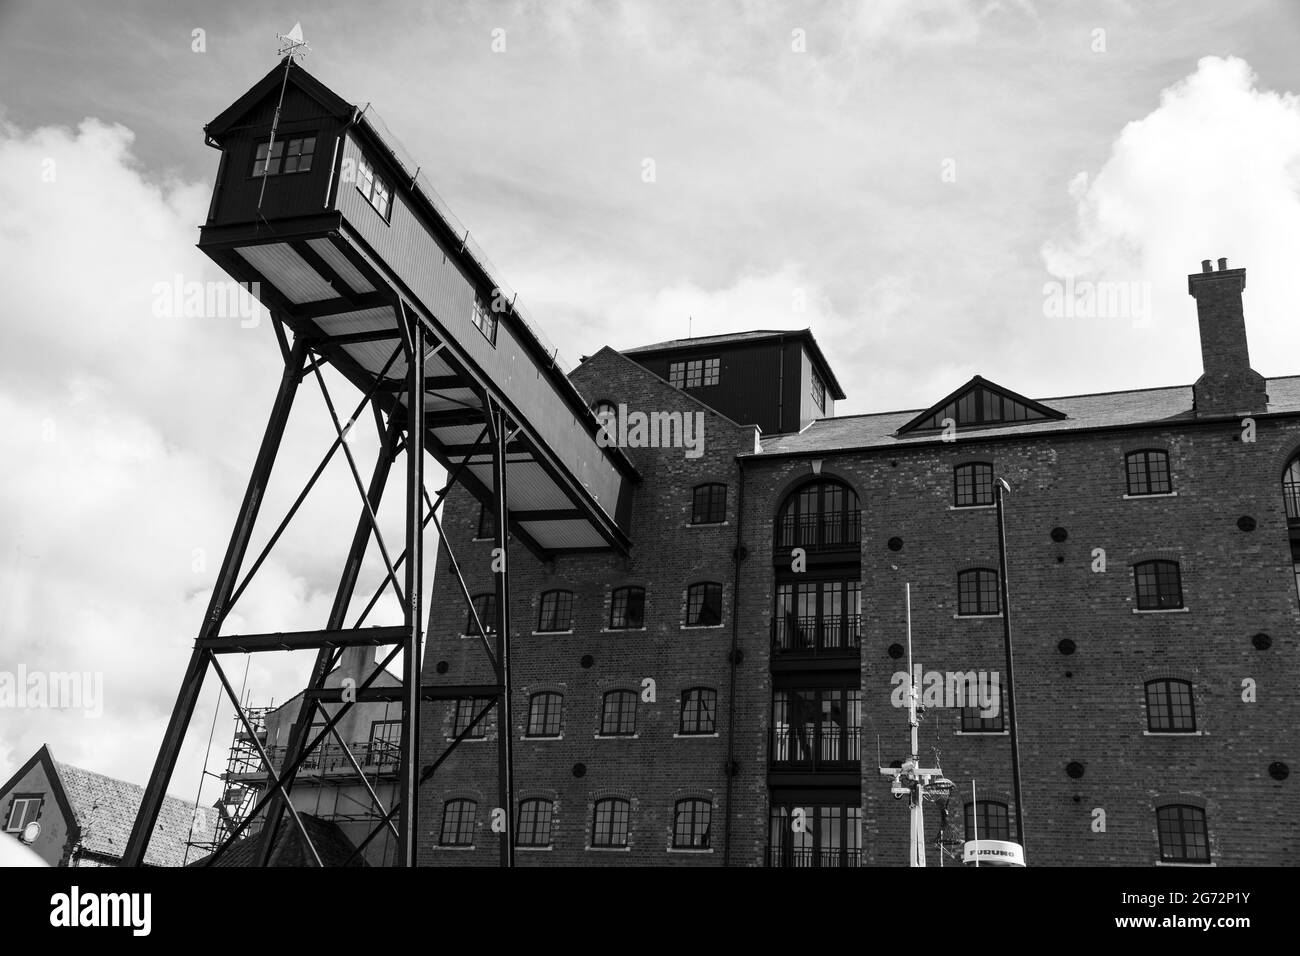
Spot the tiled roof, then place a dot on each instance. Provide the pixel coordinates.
(105, 808)
(330, 842)
(1152, 406)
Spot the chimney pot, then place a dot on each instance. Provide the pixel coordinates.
(1206, 266)
(1223, 265)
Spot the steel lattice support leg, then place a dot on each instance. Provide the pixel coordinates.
(408, 819)
(192, 683)
(505, 715)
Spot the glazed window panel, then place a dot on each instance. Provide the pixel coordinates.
(458, 823)
(977, 592)
(1159, 585)
(544, 714)
(973, 485)
(610, 823)
(556, 612)
(691, 820)
(704, 604)
(994, 821)
(1148, 473)
(1170, 708)
(627, 609)
(618, 714)
(534, 826)
(485, 606)
(709, 504)
(1183, 834)
(699, 711)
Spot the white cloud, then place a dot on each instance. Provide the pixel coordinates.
(1213, 172)
(128, 438)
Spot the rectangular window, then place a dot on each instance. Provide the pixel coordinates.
(818, 393)
(609, 824)
(704, 605)
(694, 373)
(973, 721)
(699, 709)
(1169, 707)
(1148, 473)
(994, 822)
(485, 606)
(816, 728)
(1159, 585)
(291, 155)
(534, 827)
(485, 320)
(1182, 834)
(376, 190)
(831, 837)
(467, 708)
(618, 714)
(709, 504)
(23, 811)
(544, 712)
(977, 592)
(458, 823)
(557, 611)
(487, 522)
(691, 824)
(627, 609)
(973, 485)
(385, 741)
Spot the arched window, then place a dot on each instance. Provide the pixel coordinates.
(994, 821)
(977, 592)
(691, 824)
(709, 503)
(544, 712)
(618, 714)
(485, 605)
(1170, 709)
(699, 711)
(458, 823)
(972, 484)
(1159, 585)
(821, 515)
(1183, 836)
(534, 827)
(704, 604)
(1291, 489)
(610, 820)
(556, 612)
(1148, 472)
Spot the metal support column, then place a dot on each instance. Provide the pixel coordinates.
(501, 567)
(408, 820)
(196, 670)
(998, 487)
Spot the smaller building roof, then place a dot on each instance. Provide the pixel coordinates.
(106, 807)
(743, 338)
(331, 843)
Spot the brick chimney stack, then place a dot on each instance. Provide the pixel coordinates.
(1228, 385)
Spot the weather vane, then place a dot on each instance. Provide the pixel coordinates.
(292, 43)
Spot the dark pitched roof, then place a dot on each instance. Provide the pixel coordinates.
(269, 85)
(1151, 406)
(105, 810)
(753, 335)
(330, 842)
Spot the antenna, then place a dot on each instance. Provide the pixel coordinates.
(291, 44)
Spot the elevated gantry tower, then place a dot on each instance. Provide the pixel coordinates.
(363, 267)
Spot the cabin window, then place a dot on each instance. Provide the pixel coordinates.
(818, 393)
(290, 155)
(375, 188)
(485, 320)
(695, 373)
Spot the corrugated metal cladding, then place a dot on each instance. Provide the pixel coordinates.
(446, 398)
(563, 534)
(461, 435)
(365, 320)
(528, 487)
(288, 272)
(340, 263)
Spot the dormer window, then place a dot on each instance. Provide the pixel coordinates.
(980, 404)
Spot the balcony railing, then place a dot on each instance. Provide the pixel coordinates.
(1291, 497)
(839, 748)
(812, 857)
(830, 633)
(330, 758)
(828, 531)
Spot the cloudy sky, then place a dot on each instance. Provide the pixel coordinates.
(905, 178)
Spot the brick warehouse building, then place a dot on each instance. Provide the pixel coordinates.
(1153, 591)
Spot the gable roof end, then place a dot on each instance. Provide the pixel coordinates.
(977, 382)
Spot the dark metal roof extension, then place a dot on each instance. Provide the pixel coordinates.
(742, 338)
